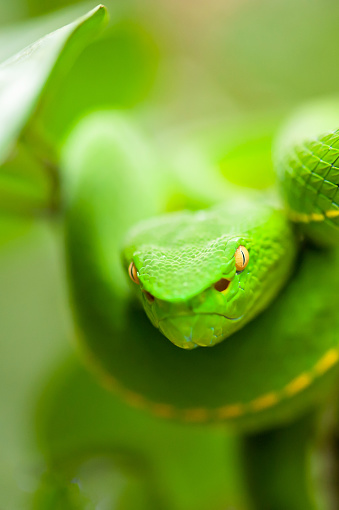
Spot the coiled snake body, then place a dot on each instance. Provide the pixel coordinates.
(252, 279)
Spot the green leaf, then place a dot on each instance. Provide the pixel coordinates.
(16, 36)
(24, 77)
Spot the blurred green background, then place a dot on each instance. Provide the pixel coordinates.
(177, 67)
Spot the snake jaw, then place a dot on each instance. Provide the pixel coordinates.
(205, 320)
(192, 330)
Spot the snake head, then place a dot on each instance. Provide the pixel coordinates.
(203, 275)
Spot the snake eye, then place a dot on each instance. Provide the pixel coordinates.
(241, 258)
(132, 271)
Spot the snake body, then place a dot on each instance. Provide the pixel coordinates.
(275, 322)
(180, 259)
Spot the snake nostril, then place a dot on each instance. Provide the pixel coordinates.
(149, 296)
(222, 285)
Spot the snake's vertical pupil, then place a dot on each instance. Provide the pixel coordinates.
(241, 258)
(132, 271)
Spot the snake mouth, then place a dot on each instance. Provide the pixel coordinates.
(192, 330)
(210, 314)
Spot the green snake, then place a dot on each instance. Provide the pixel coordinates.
(251, 276)
(201, 275)
(194, 288)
